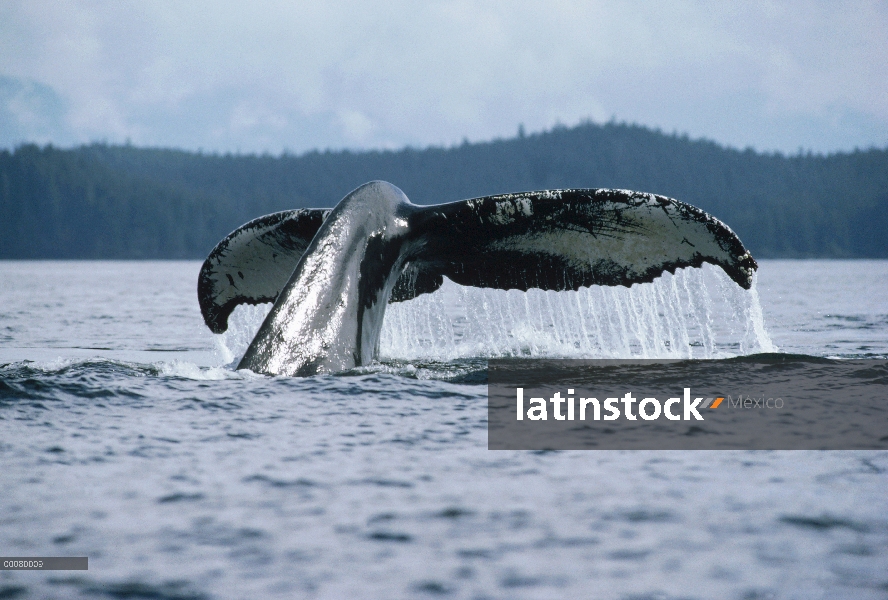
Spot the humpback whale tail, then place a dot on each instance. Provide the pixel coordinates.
(330, 273)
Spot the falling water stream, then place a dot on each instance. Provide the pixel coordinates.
(696, 313)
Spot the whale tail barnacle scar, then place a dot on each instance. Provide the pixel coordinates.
(330, 273)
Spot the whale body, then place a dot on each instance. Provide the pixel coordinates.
(331, 272)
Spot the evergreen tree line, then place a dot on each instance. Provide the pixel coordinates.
(102, 201)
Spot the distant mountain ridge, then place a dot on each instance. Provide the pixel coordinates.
(118, 202)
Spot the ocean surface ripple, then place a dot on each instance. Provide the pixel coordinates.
(124, 437)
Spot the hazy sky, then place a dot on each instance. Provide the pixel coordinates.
(267, 76)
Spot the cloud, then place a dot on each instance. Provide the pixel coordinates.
(31, 111)
(227, 75)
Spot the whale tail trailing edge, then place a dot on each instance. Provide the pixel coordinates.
(552, 240)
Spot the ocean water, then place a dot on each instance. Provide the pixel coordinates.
(126, 436)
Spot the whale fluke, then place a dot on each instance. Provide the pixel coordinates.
(375, 247)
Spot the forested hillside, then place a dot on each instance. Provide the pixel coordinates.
(104, 201)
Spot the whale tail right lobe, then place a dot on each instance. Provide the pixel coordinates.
(567, 239)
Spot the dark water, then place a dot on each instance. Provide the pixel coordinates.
(123, 437)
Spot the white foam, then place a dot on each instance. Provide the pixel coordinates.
(188, 370)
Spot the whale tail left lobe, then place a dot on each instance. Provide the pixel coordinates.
(253, 263)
